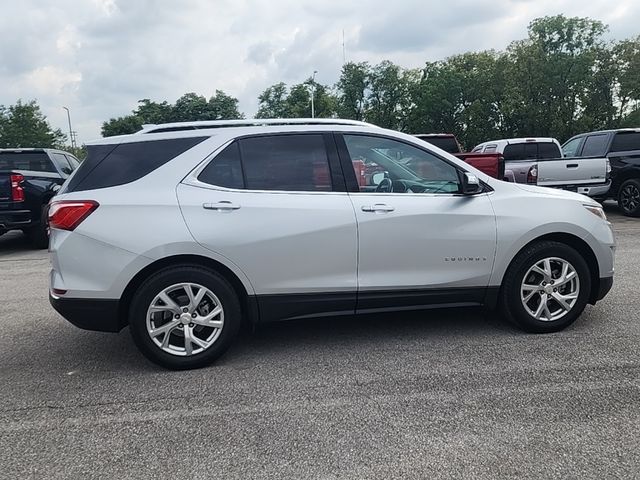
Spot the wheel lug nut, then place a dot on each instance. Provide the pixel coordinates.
(185, 309)
(191, 325)
(193, 315)
(544, 284)
(177, 316)
(551, 282)
(555, 289)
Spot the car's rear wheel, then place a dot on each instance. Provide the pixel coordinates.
(629, 198)
(184, 317)
(546, 287)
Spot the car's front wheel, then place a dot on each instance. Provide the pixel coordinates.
(546, 287)
(184, 317)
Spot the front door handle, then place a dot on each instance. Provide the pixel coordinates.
(223, 206)
(572, 165)
(378, 208)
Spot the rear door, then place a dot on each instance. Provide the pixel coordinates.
(420, 241)
(276, 206)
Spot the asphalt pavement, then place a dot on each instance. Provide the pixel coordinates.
(437, 394)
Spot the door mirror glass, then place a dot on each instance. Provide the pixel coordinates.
(470, 184)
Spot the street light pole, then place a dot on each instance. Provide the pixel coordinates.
(73, 142)
(313, 94)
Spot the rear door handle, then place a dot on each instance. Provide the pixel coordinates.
(572, 165)
(378, 207)
(223, 206)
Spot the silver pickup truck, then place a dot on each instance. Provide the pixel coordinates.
(540, 161)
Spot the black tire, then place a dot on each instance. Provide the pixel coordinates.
(179, 274)
(629, 198)
(39, 235)
(511, 303)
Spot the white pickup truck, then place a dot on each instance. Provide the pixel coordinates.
(541, 161)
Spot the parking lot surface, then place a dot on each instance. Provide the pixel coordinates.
(436, 394)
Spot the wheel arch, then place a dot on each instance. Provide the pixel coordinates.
(248, 302)
(577, 244)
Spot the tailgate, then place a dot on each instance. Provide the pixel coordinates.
(573, 171)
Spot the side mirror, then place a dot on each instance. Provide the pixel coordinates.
(470, 184)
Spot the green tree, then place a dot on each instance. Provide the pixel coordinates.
(24, 125)
(352, 90)
(549, 74)
(273, 102)
(121, 126)
(389, 99)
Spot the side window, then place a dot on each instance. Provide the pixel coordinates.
(514, 151)
(570, 149)
(73, 161)
(225, 169)
(626, 141)
(384, 165)
(286, 162)
(595, 145)
(62, 163)
(490, 148)
(548, 150)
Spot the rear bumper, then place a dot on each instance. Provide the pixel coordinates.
(89, 314)
(595, 191)
(15, 219)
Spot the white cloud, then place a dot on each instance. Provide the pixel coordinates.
(100, 57)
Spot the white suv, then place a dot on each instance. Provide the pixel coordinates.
(183, 231)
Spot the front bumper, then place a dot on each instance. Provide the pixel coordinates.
(100, 315)
(605, 286)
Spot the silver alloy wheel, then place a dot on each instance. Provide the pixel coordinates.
(550, 289)
(630, 198)
(185, 319)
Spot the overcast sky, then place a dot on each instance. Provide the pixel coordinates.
(99, 57)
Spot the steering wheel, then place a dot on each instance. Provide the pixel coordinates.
(385, 186)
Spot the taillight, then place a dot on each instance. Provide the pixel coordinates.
(68, 214)
(532, 175)
(608, 174)
(17, 192)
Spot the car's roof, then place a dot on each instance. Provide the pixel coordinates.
(508, 141)
(614, 130)
(234, 128)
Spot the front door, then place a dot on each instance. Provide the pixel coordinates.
(420, 240)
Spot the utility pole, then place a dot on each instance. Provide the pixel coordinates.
(71, 137)
(344, 52)
(313, 94)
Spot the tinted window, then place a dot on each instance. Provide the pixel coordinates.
(448, 144)
(514, 151)
(34, 161)
(383, 165)
(530, 151)
(626, 141)
(595, 145)
(111, 165)
(570, 149)
(225, 169)
(286, 162)
(62, 163)
(548, 150)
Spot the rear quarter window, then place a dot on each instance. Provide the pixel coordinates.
(112, 165)
(626, 141)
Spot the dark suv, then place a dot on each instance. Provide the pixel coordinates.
(29, 178)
